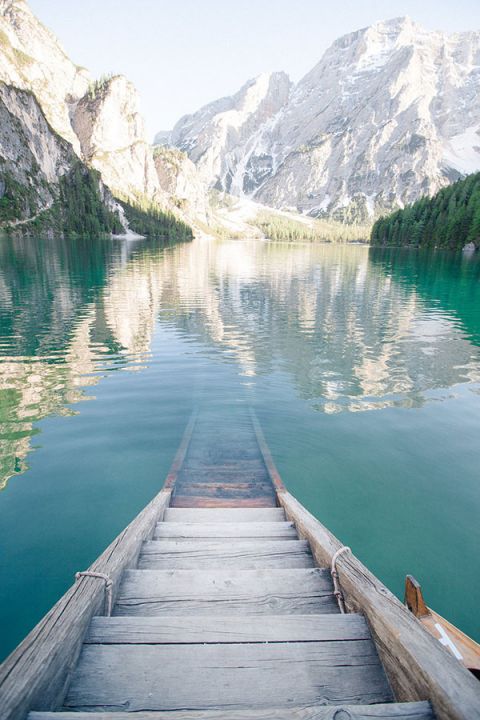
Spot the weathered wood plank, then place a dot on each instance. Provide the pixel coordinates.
(198, 501)
(37, 673)
(232, 592)
(172, 677)
(224, 515)
(217, 531)
(237, 554)
(247, 488)
(221, 629)
(417, 665)
(395, 711)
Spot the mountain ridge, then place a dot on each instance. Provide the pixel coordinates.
(371, 127)
(92, 124)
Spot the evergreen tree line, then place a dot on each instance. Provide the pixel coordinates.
(147, 219)
(282, 228)
(81, 206)
(449, 219)
(80, 210)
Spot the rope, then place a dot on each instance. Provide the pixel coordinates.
(108, 586)
(336, 585)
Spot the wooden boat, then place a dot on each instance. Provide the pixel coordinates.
(227, 602)
(462, 647)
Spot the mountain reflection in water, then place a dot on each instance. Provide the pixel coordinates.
(363, 366)
(354, 329)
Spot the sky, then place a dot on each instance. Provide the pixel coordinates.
(181, 54)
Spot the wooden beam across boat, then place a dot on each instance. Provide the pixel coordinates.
(224, 609)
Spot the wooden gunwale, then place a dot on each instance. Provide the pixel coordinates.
(417, 666)
(267, 455)
(36, 675)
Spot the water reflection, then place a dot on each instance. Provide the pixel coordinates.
(351, 329)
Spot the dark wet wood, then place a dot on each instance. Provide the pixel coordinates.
(198, 501)
(266, 454)
(224, 467)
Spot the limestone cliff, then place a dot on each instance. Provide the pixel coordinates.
(180, 180)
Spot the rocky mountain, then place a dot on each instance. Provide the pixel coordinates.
(391, 112)
(113, 138)
(43, 184)
(56, 120)
(180, 180)
(221, 137)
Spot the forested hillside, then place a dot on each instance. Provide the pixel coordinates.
(450, 219)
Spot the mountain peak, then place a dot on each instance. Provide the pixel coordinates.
(371, 127)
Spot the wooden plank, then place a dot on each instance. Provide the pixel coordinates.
(238, 554)
(417, 665)
(221, 629)
(37, 673)
(266, 454)
(216, 531)
(172, 677)
(395, 711)
(181, 452)
(225, 592)
(467, 648)
(198, 501)
(224, 515)
(249, 488)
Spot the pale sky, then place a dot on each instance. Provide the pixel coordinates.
(181, 54)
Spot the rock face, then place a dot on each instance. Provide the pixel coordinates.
(220, 137)
(99, 121)
(180, 180)
(113, 139)
(32, 155)
(390, 113)
(32, 59)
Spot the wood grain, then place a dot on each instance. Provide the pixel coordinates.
(418, 667)
(172, 677)
(224, 515)
(199, 501)
(237, 554)
(397, 711)
(38, 671)
(220, 592)
(217, 629)
(218, 530)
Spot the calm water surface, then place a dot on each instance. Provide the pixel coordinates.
(363, 366)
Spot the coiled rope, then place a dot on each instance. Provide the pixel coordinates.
(336, 585)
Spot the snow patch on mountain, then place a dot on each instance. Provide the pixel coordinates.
(463, 151)
(389, 113)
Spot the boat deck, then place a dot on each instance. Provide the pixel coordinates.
(225, 614)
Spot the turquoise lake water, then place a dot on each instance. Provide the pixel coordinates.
(363, 366)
